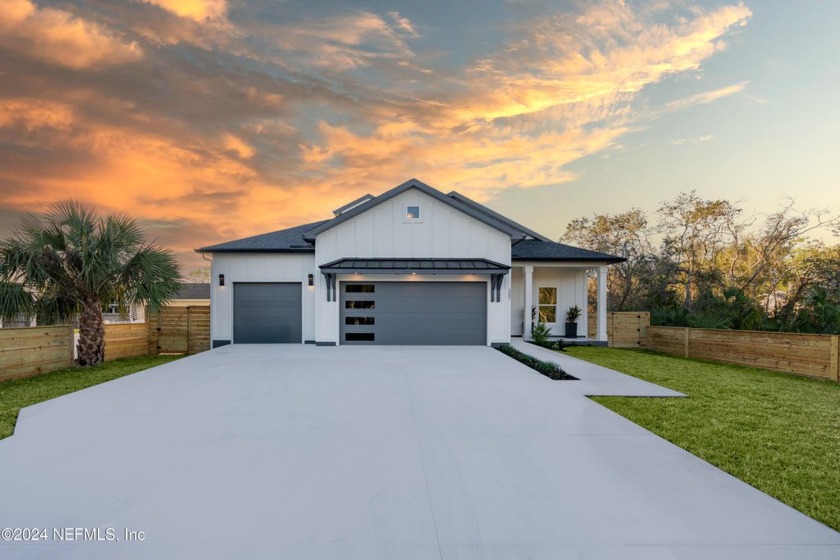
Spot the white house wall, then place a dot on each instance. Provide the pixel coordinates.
(571, 290)
(254, 267)
(443, 232)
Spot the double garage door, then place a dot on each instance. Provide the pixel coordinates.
(430, 313)
(413, 313)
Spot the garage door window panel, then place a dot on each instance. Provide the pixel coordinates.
(354, 304)
(360, 289)
(360, 320)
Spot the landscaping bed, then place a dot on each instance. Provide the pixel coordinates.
(777, 432)
(549, 369)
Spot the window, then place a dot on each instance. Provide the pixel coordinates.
(547, 305)
(359, 320)
(412, 213)
(359, 336)
(359, 288)
(359, 304)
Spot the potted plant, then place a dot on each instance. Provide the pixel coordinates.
(572, 315)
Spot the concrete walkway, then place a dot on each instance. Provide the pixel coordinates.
(595, 379)
(372, 453)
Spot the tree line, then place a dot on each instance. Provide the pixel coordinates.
(707, 264)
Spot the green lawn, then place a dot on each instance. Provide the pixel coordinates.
(780, 433)
(19, 393)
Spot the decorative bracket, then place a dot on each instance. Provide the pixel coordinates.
(496, 287)
(331, 293)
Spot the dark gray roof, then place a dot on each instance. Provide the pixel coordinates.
(425, 189)
(496, 216)
(194, 291)
(434, 266)
(536, 250)
(300, 239)
(283, 241)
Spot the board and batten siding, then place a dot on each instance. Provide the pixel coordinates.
(442, 232)
(571, 290)
(256, 267)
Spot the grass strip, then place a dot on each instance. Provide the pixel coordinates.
(19, 393)
(777, 432)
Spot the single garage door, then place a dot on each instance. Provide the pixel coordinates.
(266, 313)
(414, 313)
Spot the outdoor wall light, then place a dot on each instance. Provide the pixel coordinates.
(311, 278)
(221, 279)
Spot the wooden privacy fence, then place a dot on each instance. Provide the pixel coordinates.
(814, 355)
(30, 351)
(625, 329)
(124, 341)
(180, 330)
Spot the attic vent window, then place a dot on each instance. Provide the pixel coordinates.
(412, 212)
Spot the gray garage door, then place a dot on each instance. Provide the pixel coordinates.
(266, 312)
(414, 313)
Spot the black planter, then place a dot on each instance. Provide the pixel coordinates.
(571, 330)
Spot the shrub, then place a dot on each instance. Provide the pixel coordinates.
(549, 369)
(540, 334)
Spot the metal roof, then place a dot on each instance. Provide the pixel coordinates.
(425, 266)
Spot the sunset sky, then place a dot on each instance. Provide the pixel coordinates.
(210, 120)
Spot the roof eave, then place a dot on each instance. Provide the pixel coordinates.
(211, 250)
(608, 260)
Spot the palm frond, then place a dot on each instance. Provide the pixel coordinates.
(15, 301)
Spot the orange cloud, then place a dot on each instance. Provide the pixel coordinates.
(555, 93)
(196, 10)
(32, 114)
(59, 37)
(276, 123)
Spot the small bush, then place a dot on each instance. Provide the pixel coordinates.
(556, 345)
(540, 333)
(549, 369)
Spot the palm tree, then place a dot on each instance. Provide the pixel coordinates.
(71, 261)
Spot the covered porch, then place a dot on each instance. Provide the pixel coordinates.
(543, 292)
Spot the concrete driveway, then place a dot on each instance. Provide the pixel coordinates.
(367, 453)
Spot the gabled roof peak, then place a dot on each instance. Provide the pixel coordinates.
(425, 189)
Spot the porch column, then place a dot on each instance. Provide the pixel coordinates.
(529, 300)
(601, 324)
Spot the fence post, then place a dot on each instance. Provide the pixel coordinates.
(157, 340)
(686, 335)
(188, 330)
(835, 358)
(72, 335)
